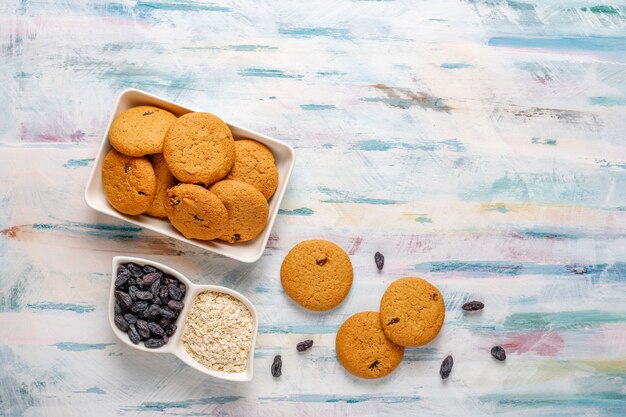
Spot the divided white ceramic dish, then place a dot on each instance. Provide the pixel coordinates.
(245, 252)
(175, 345)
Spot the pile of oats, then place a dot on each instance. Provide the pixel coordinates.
(218, 332)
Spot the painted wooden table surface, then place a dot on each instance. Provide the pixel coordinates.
(479, 144)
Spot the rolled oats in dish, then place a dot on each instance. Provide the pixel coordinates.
(218, 332)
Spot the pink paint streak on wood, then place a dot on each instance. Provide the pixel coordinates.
(356, 243)
(540, 343)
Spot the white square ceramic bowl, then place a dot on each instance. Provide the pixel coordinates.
(249, 251)
(175, 345)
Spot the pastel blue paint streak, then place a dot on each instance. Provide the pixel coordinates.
(299, 329)
(551, 236)
(423, 220)
(499, 209)
(266, 73)
(377, 145)
(538, 141)
(609, 403)
(455, 65)
(607, 101)
(94, 230)
(328, 146)
(349, 399)
(50, 305)
(338, 196)
(615, 272)
(78, 163)
(251, 48)
(564, 320)
(81, 347)
(311, 32)
(163, 406)
(92, 390)
(587, 43)
(303, 211)
(330, 73)
(317, 106)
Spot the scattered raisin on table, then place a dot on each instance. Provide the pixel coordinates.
(380, 260)
(473, 306)
(446, 367)
(305, 345)
(498, 353)
(277, 366)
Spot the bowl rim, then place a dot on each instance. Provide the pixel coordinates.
(224, 248)
(175, 346)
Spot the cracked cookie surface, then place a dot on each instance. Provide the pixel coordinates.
(199, 148)
(247, 210)
(140, 130)
(129, 183)
(255, 165)
(411, 312)
(196, 212)
(317, 274)
(363, 349)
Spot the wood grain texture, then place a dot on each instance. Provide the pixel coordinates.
(478, 144)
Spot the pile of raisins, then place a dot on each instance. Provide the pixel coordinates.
(147, 304)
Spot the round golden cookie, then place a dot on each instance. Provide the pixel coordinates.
(140, 130)
(196, 212)
(129, 183)
(247, 210)
(363, 349)
(165, 180)
(317, 274)
(411, 312)
(199, 148)
(254, 164)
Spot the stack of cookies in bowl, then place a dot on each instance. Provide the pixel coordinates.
(191, 171)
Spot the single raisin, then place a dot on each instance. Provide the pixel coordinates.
(473, 306)
(133, 334)
(156, 329)
(305, 345)
(166, 312)
(434, 296)
(154, 343)
(132, 291)
(165, 339)
(380, 260)
(149, 269)
(130, 318)
(122, 277)
(498, 353)
(170, 329)
(121, 323)
(446, 367)
(163, 292)
(374, 364)
(148, 113)
(277, 366)
(148, 279)
(144, 295)
(321, 262)
(124, 299)
(143, 329)
(164, 322)
(394, 320)
(175, 292)
(126, 168)
(117, 309)
(151, 311)
(175, 305)
(135, 270)
(139, 306)
(236, 237)
(154, 288)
